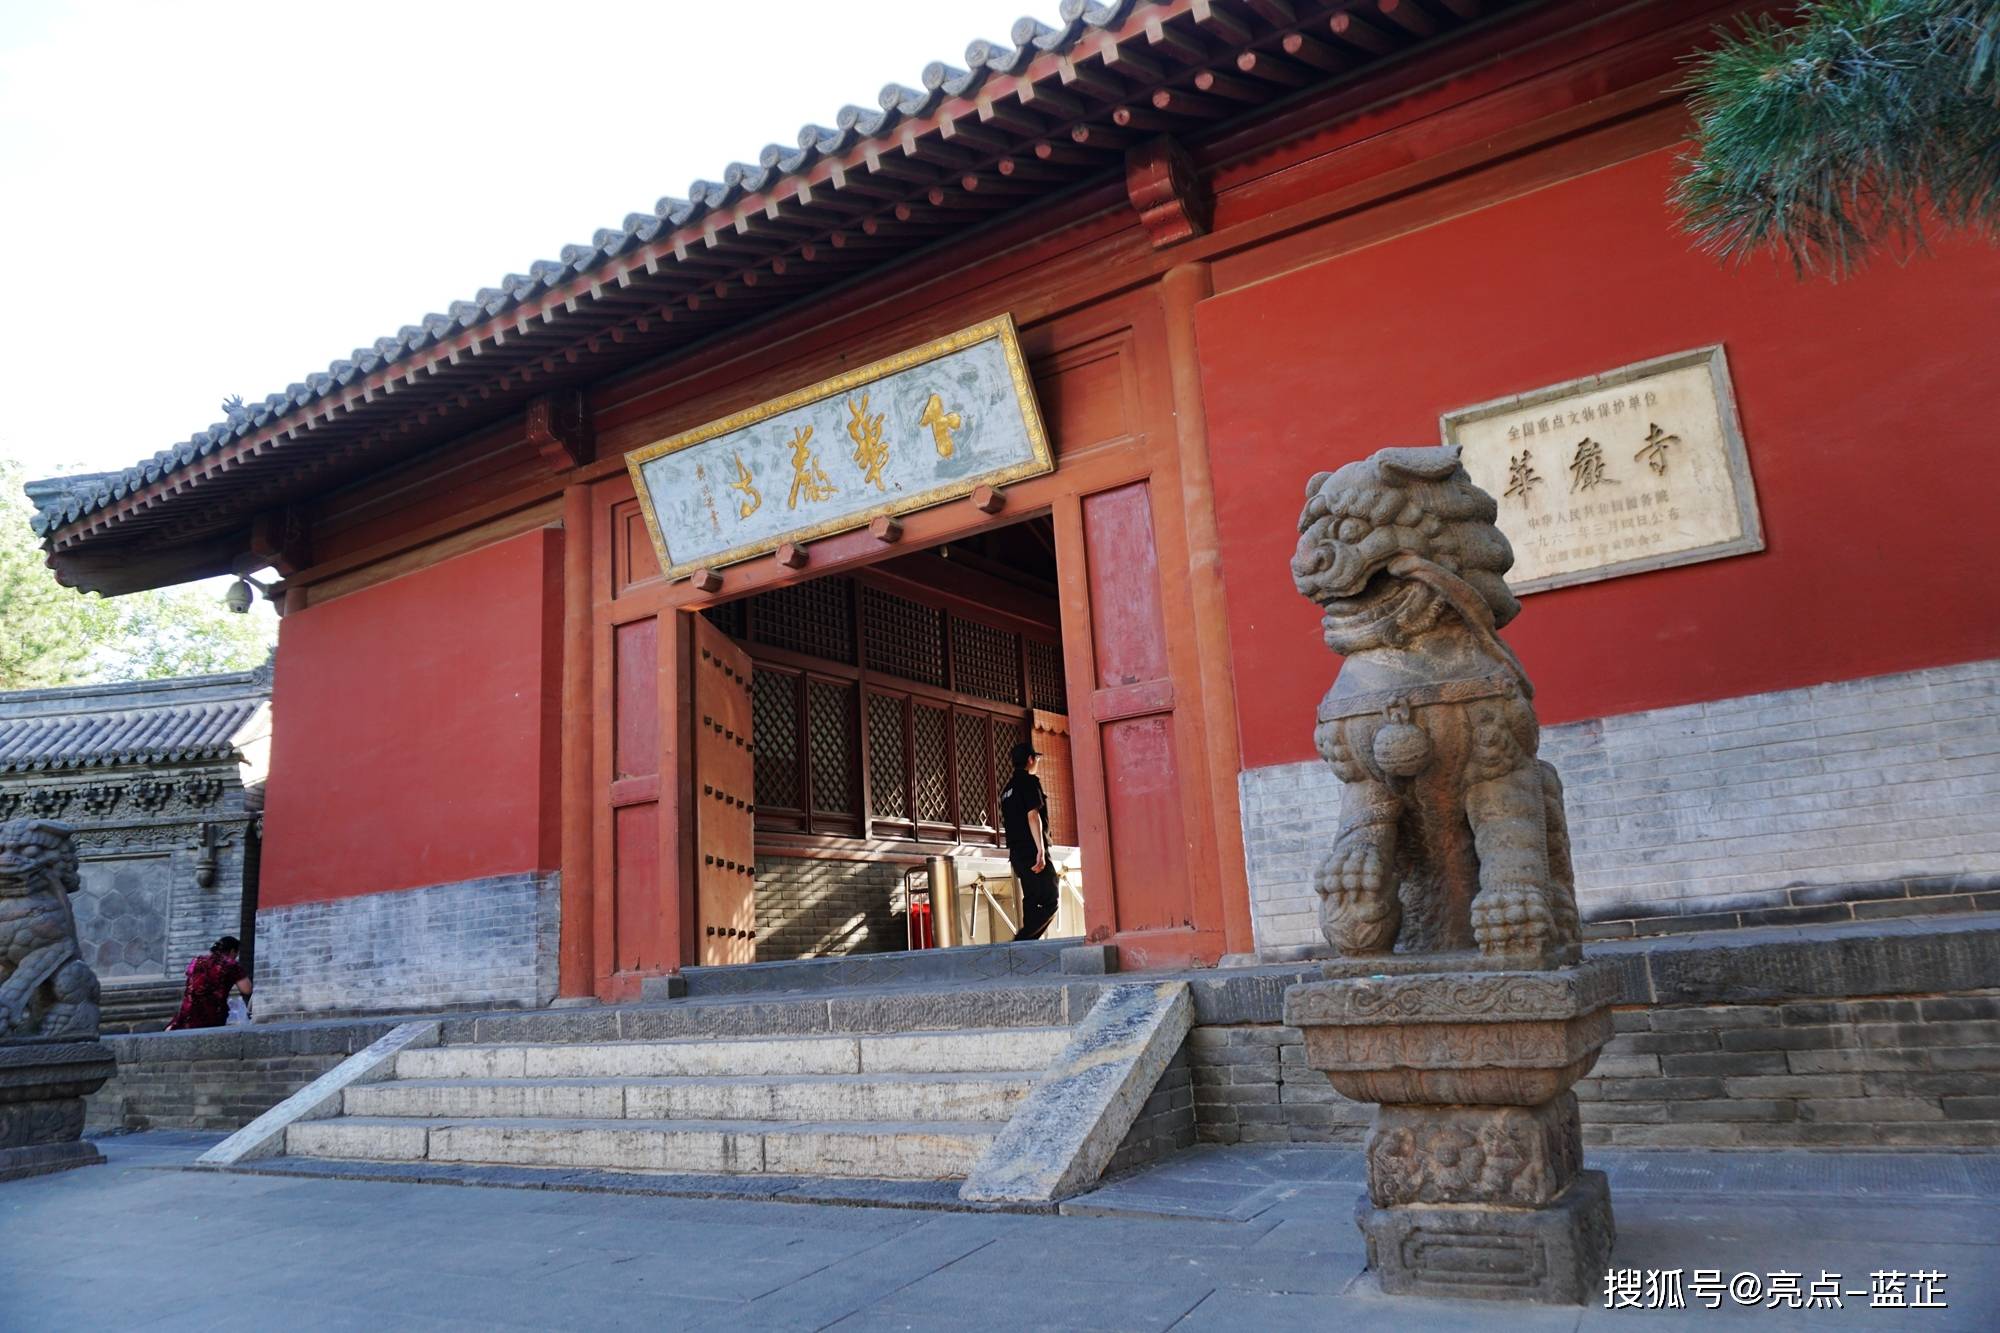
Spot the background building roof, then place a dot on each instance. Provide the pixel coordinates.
(187, 719)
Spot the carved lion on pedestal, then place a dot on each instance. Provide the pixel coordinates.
(47, 991)
(1451, 831)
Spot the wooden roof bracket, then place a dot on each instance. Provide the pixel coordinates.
(1173, 202)
(558, 425)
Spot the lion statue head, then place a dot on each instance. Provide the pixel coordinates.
(1368, 525)
(36, 854)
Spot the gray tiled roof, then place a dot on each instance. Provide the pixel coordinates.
(186, 719)
(1050, 116)
(853, 124)
(143, 736)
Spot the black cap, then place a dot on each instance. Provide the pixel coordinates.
(1022, 753)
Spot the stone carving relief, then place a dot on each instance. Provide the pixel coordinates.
(201, 791)
(1465, 998)
(50, 802)
(1452, 832)
(1506, 1155)
(47, 991)
(152, 794)
(100, 798)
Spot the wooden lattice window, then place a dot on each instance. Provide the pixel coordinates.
(985, 662)
(1046, 687)
(814, 618)
(932, 755)
(831, 738)
(1007, 733)
(888, 757)
(939, 699)
(728, 618)
(904, 638)
(975, 778)
(774, 719)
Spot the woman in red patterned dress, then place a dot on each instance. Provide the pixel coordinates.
(210, 978)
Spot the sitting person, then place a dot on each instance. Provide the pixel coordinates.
(210, 978)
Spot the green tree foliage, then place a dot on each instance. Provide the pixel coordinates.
(52, 635)
(1859, 127)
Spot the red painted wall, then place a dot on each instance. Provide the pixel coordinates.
(1865, 405)
(420, 735)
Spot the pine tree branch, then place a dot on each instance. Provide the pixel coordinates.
(1863, 127)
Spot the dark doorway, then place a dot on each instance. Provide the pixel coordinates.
(884, 706)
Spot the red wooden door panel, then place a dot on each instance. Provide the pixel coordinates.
(1133, 709)
(723, 791)
(637, 891)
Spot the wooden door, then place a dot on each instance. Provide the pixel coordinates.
(1126, 746)
(635, 940)
(724, 785)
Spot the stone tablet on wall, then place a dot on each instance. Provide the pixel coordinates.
(918, 428)
(1636, 469)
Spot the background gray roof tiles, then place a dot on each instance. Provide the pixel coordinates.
(180, 732)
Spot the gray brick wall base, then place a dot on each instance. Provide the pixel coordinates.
(813, 908)
(483, 943)
(1166, 1123)
(1909, 1071)
(1856, 799)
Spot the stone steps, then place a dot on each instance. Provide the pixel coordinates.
(897, 1105)
(974, 1051)
(832, 1097)
(900, 1150)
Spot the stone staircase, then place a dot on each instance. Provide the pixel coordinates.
(901, 1105)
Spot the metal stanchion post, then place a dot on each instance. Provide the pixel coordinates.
(944, 901)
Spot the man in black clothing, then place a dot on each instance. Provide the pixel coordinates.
(1024, 813)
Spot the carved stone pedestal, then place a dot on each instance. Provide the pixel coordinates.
(1475, 1179)
(42, 1087)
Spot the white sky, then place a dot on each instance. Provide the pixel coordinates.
(206, 198)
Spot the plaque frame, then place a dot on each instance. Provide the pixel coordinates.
(1750, 537)
(1000, 327)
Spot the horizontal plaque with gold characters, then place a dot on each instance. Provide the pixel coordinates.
(915, 429)
(1636, 469)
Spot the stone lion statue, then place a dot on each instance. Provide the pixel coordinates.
(47, 991)
(1451, 831)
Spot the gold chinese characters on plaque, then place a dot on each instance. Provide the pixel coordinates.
(1636, 469)
(921, 427)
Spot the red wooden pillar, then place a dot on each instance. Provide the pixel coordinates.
(1181, 289)
(576, 968)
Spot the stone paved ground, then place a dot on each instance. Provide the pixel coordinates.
(1219, 1238)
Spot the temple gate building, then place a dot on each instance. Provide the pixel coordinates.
(1241, 243)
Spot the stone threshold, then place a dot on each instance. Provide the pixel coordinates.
(997, 963)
